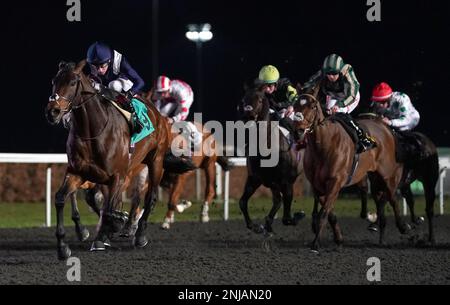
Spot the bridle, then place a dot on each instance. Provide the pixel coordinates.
(71, 105)
(311, 122)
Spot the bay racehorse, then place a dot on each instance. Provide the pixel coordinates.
(98, 151)
(329, 165)
(279, 178)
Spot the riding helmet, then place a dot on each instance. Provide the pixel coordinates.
(269, 75)
(99, 53)
(333, 64)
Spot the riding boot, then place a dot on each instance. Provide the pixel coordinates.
(136, 124)
(365, 142)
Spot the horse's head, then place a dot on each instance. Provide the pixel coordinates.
(66, 88)
(307, 111)
(254, 106)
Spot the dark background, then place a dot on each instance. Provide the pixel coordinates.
(409, 49)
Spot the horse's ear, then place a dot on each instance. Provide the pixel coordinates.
(62, 64)
(79, 67)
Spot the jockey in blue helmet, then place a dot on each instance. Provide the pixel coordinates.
(110, 68)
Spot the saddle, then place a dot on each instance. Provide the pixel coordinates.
(345, 121)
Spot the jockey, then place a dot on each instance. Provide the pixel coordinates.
(110, 68)
(396, 108)
(173, 99)
(339, 85)
(282, 97)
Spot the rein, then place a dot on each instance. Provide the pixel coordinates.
(312, 122)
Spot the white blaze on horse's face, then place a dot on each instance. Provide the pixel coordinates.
(248, 108)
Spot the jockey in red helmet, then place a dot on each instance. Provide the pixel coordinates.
(395, 107)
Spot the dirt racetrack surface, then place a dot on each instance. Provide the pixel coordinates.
(227, 253)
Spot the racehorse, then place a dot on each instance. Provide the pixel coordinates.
(330, 165)
(175, 184)
(280, 178)
(98, 151)
(425, 169)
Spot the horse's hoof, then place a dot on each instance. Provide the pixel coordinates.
(299, 216)
(258, 229)
(405, 229)
(419, 220)
(314, 251)
(140, 241)
(373, 227)
(83, 235)
(372, 217)
(165, 225)
(98, 246)
(204, 218)
(64, 253)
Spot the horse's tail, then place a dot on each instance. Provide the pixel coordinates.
(178, 165)
(224, 163)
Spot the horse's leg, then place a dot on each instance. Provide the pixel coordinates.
(110, 222)
(430, 195)
(315, 213)
(95, 198)
(82, 232)
(327, 202)
(381, 220)
(276, 204)
(338, 238)
(391, 185)
(363, 191)
(137, 188)
(252, 184)
(210, 192)
(70, 184)
(408, 195)
(156, 172)
(287, 190)
(174, 200)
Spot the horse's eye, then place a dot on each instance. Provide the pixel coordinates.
(73, 82)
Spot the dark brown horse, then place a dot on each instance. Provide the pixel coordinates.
(279, 178)
(424, 169)
(98, 151)
(328, 165)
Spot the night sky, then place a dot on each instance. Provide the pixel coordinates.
(408, 48)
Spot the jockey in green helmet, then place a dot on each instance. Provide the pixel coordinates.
(282, 96)
(339, 94)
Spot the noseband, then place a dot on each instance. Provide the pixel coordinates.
(57, 97)
(310, 128)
